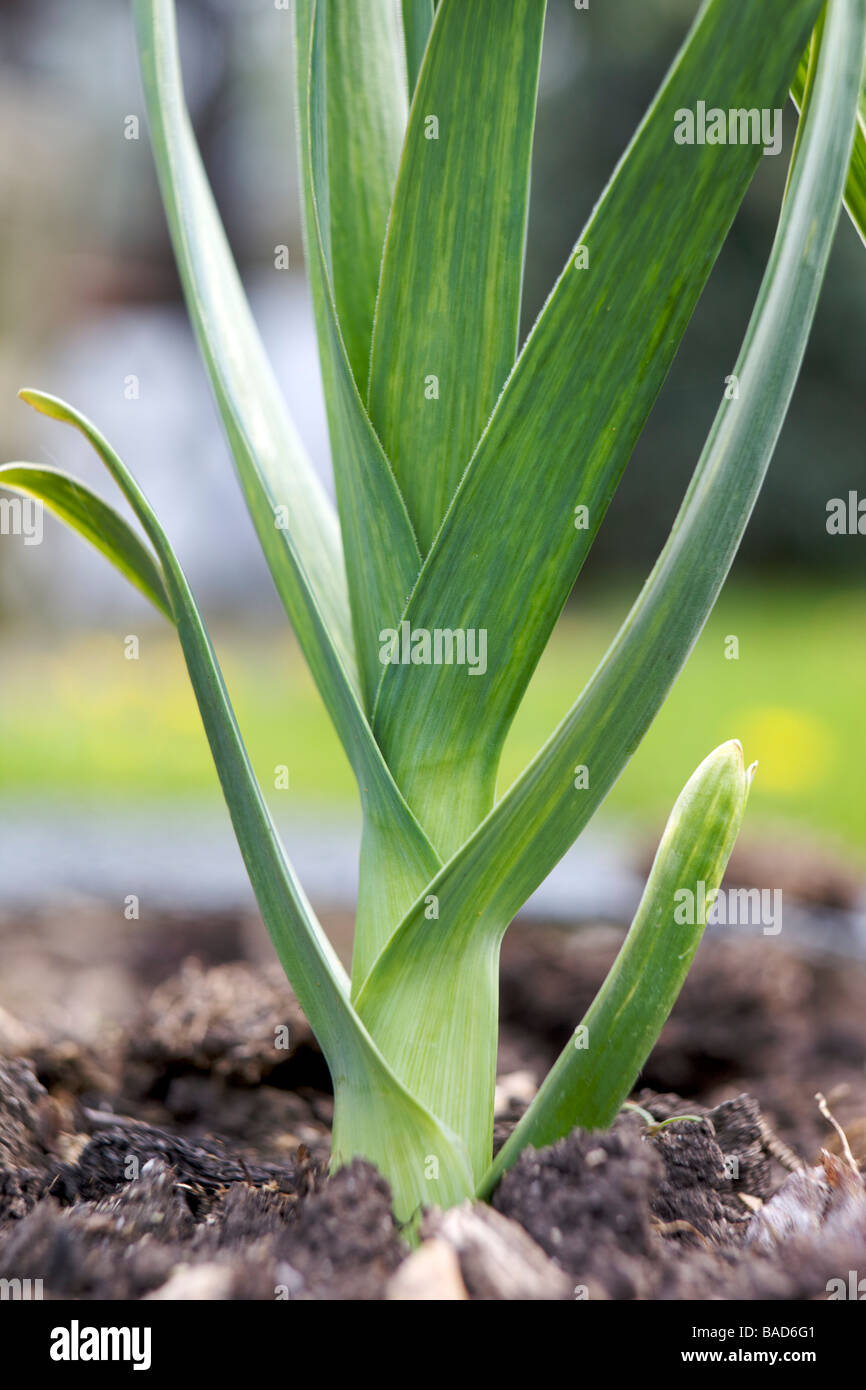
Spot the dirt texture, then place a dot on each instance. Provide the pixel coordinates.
(166, 1135)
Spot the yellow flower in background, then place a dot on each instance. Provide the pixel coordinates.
(793, 746)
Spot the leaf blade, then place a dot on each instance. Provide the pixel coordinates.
(452, 268)
(855, 186)
(365, 117)
(417, 23)
(597, 1069)
(509, 550)
(382, 557)
(397, 858)
(74, 502)
(305, 557)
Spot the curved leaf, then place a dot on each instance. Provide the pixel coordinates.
(304, 554)
(855, 185)
(73, 502)
(599, 1066)
(375, 1116)
(305, 558)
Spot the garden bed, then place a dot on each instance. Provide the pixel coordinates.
(164, 1128)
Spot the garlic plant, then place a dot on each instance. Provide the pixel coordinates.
(472, 474)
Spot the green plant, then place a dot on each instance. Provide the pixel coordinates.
(471, 480)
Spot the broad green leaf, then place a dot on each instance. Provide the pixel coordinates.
(382, 558)
(80, 508)
(599, 1066)
(365, 120)
(431, 1002)
(479, 890)
(304, 553)
(855, 186)
(449, 297)
(417, 21)
(375, 1117)
(565, 426)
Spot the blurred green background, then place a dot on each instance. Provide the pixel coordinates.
(76, 719)
(89, 297)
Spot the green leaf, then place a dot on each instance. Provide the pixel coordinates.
(599, 1066)
(382, 557)
(855, 186)
(305, 556)
(431, 1001)
(80, 508)
(397, 859)
(375, 1117)
(449, 298)
(484, 884)
(304, 553)
(365, 120)
(417, 22)
(565, 426)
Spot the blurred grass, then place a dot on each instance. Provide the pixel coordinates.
(77, 718)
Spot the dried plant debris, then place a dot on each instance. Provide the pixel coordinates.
(497, 1259)
(827, 1200)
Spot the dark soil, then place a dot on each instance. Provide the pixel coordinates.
(168, 1137)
